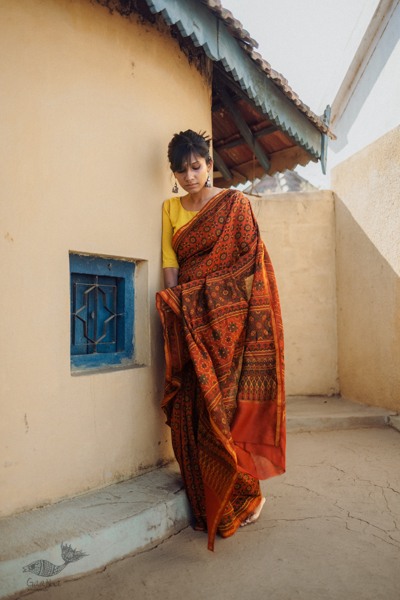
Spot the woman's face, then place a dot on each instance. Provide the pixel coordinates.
(193, 175)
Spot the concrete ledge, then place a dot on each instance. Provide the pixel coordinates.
(321, 413)
(394, 421)
(102, 526)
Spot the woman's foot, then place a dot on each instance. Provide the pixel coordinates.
(254, 516)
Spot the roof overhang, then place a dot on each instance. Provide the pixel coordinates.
(259, 124)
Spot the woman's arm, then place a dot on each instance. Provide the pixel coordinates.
(170, 262)
(170, 276)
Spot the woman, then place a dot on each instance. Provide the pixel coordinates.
(224, 388)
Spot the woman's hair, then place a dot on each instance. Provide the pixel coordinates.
(185, 143)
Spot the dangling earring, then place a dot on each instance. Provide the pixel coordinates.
(208, 182)
(175, 189)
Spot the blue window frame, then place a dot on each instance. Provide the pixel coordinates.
(102, 312)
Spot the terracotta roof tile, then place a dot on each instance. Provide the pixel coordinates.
(249, 45)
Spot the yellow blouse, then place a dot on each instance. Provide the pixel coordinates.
(174, 216)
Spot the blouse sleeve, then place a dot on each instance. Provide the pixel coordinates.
(168, 254)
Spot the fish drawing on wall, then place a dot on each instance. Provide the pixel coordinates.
(45, 568)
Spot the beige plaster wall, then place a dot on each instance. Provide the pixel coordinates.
(368, 268)
(299, 232)
(89, 101)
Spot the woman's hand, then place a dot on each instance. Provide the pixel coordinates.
(170, 277)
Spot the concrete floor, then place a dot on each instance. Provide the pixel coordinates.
(330, 530)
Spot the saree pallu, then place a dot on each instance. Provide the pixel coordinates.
(224, 383)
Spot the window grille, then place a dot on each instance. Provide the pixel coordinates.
(102, 311)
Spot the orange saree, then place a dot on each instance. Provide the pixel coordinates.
(224, 384)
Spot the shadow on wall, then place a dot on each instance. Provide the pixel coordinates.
(368, 317)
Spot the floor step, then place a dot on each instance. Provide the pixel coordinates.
(322, 413)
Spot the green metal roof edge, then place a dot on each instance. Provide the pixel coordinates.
(194, 20)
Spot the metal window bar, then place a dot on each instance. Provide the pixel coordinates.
(95, 307)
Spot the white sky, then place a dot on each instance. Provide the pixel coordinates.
(310, 42)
